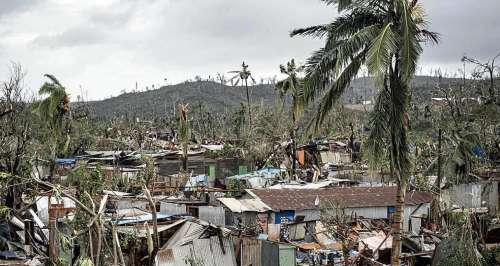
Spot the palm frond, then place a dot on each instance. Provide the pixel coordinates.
(381, 51)
(319, 71)
(337, 88)
(360, 40)
(376, 144)
(318, 31)
(411, 47)
(399, 124)
(429, 36)
(53, 79)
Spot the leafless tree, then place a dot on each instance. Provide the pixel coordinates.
(15, 133)
(490, 68)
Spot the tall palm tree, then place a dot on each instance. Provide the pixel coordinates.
(54, 108)
(292, 84)
(242, 76)
(386, 36)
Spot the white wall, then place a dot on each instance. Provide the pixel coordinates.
(463, 195)
(472, 195)
(309, 215)
(413, 212)
(369, 212)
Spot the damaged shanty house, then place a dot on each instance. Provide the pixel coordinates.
(289, 205)
(298, 217)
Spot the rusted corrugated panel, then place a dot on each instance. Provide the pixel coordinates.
(297, 231)
(273, 232)
(164, 257)
(214, 215)
(349, 197)
(251, 252)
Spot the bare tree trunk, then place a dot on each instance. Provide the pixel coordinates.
(115, 254)
(398, 224)
(249, 108)
(97, 225)
(184, 157)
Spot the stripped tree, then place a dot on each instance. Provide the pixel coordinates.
(184, 134)
(242, 76)
(292, 84)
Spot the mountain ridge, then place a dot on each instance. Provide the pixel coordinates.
(219, 98)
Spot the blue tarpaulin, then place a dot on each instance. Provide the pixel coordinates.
(288, 215)
(66, 161)
(478, 152)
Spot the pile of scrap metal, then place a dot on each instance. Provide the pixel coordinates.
(27, 236)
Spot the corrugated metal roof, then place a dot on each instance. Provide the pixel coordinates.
(350, 197)
(187, 243)
(140, 218)
(140, 230)
(244, 205)
(185, 234)
(206, 252)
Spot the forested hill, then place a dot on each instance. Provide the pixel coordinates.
(213, 96)
(218, 98)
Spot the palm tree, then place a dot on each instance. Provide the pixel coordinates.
(55, 107)
(53, 110)
(243, 75)
(386, 36)
(291, 84)
(221, 78)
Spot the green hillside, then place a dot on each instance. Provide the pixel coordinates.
(218, 98)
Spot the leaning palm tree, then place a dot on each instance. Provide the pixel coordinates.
(386, 36)
(54, 108)
(242, 76)
(292, 84)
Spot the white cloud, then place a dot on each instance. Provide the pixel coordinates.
(108, 45)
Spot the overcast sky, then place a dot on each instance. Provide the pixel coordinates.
(105, 46)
